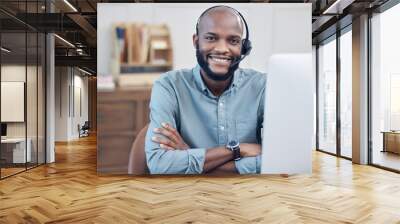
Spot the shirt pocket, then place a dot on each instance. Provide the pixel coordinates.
(246, 130)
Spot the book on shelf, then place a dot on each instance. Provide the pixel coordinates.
(121, 43)
(140, 43)
(119, 48)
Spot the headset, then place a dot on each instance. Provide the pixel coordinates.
(246, 43)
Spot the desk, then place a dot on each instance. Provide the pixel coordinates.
(121, 114)
(15, 148)
(391, 141)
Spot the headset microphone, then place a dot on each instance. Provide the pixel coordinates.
(237, 61)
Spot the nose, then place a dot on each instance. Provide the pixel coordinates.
(221, 46)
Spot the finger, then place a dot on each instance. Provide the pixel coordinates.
(166, 147)
(171, 129)
(167, 134)
(163, 141)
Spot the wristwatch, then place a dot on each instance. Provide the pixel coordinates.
(235, 148)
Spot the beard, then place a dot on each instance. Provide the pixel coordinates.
(212, 75)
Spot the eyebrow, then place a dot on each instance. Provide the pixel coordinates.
(230, 36)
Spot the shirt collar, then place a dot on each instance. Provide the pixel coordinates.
(237, 76)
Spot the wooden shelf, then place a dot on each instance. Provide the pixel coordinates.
(145, 68)
(144, 65)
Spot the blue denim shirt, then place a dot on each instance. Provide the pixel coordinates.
(204, 121)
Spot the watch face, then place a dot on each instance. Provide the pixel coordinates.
(233, 143)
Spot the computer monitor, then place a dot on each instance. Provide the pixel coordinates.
(3, 129)
(288, 115)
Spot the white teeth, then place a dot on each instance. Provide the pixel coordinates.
(220, 59)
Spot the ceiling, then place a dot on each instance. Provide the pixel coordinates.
(76, 22)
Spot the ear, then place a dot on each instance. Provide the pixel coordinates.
(195, 40)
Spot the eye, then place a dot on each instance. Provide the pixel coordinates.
(210, 38)
(234, 41)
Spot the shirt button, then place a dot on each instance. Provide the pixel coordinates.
(221, 104)
(221, 127)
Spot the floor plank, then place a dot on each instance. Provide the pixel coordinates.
(386, 159)
(70, 191)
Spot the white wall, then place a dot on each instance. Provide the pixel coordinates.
(33, 126)
(61, 103)
(68, 83)
(274, 28)
(12, 101)
(12, 73)
(80, 94)
(17, 73)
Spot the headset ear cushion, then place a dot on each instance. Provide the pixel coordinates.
(246, 47)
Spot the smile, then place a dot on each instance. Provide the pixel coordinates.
(220, 59)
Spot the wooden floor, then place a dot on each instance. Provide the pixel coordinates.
(10, 171)
(70, 191)
(387, 159)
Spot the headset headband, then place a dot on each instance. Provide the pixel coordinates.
(237, 12)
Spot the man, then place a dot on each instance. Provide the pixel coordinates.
(208, 119)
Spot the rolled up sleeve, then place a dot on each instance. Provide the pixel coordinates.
(190, 161)
(163, 107)
(249, 165)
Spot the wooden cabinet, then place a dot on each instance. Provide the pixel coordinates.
(391, 142)
(121, 114)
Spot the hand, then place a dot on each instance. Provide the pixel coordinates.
(172, 140)
(250, 150)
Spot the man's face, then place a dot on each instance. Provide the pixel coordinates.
(219, 41)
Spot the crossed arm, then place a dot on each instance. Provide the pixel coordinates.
(168, 153)
(217, 160)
